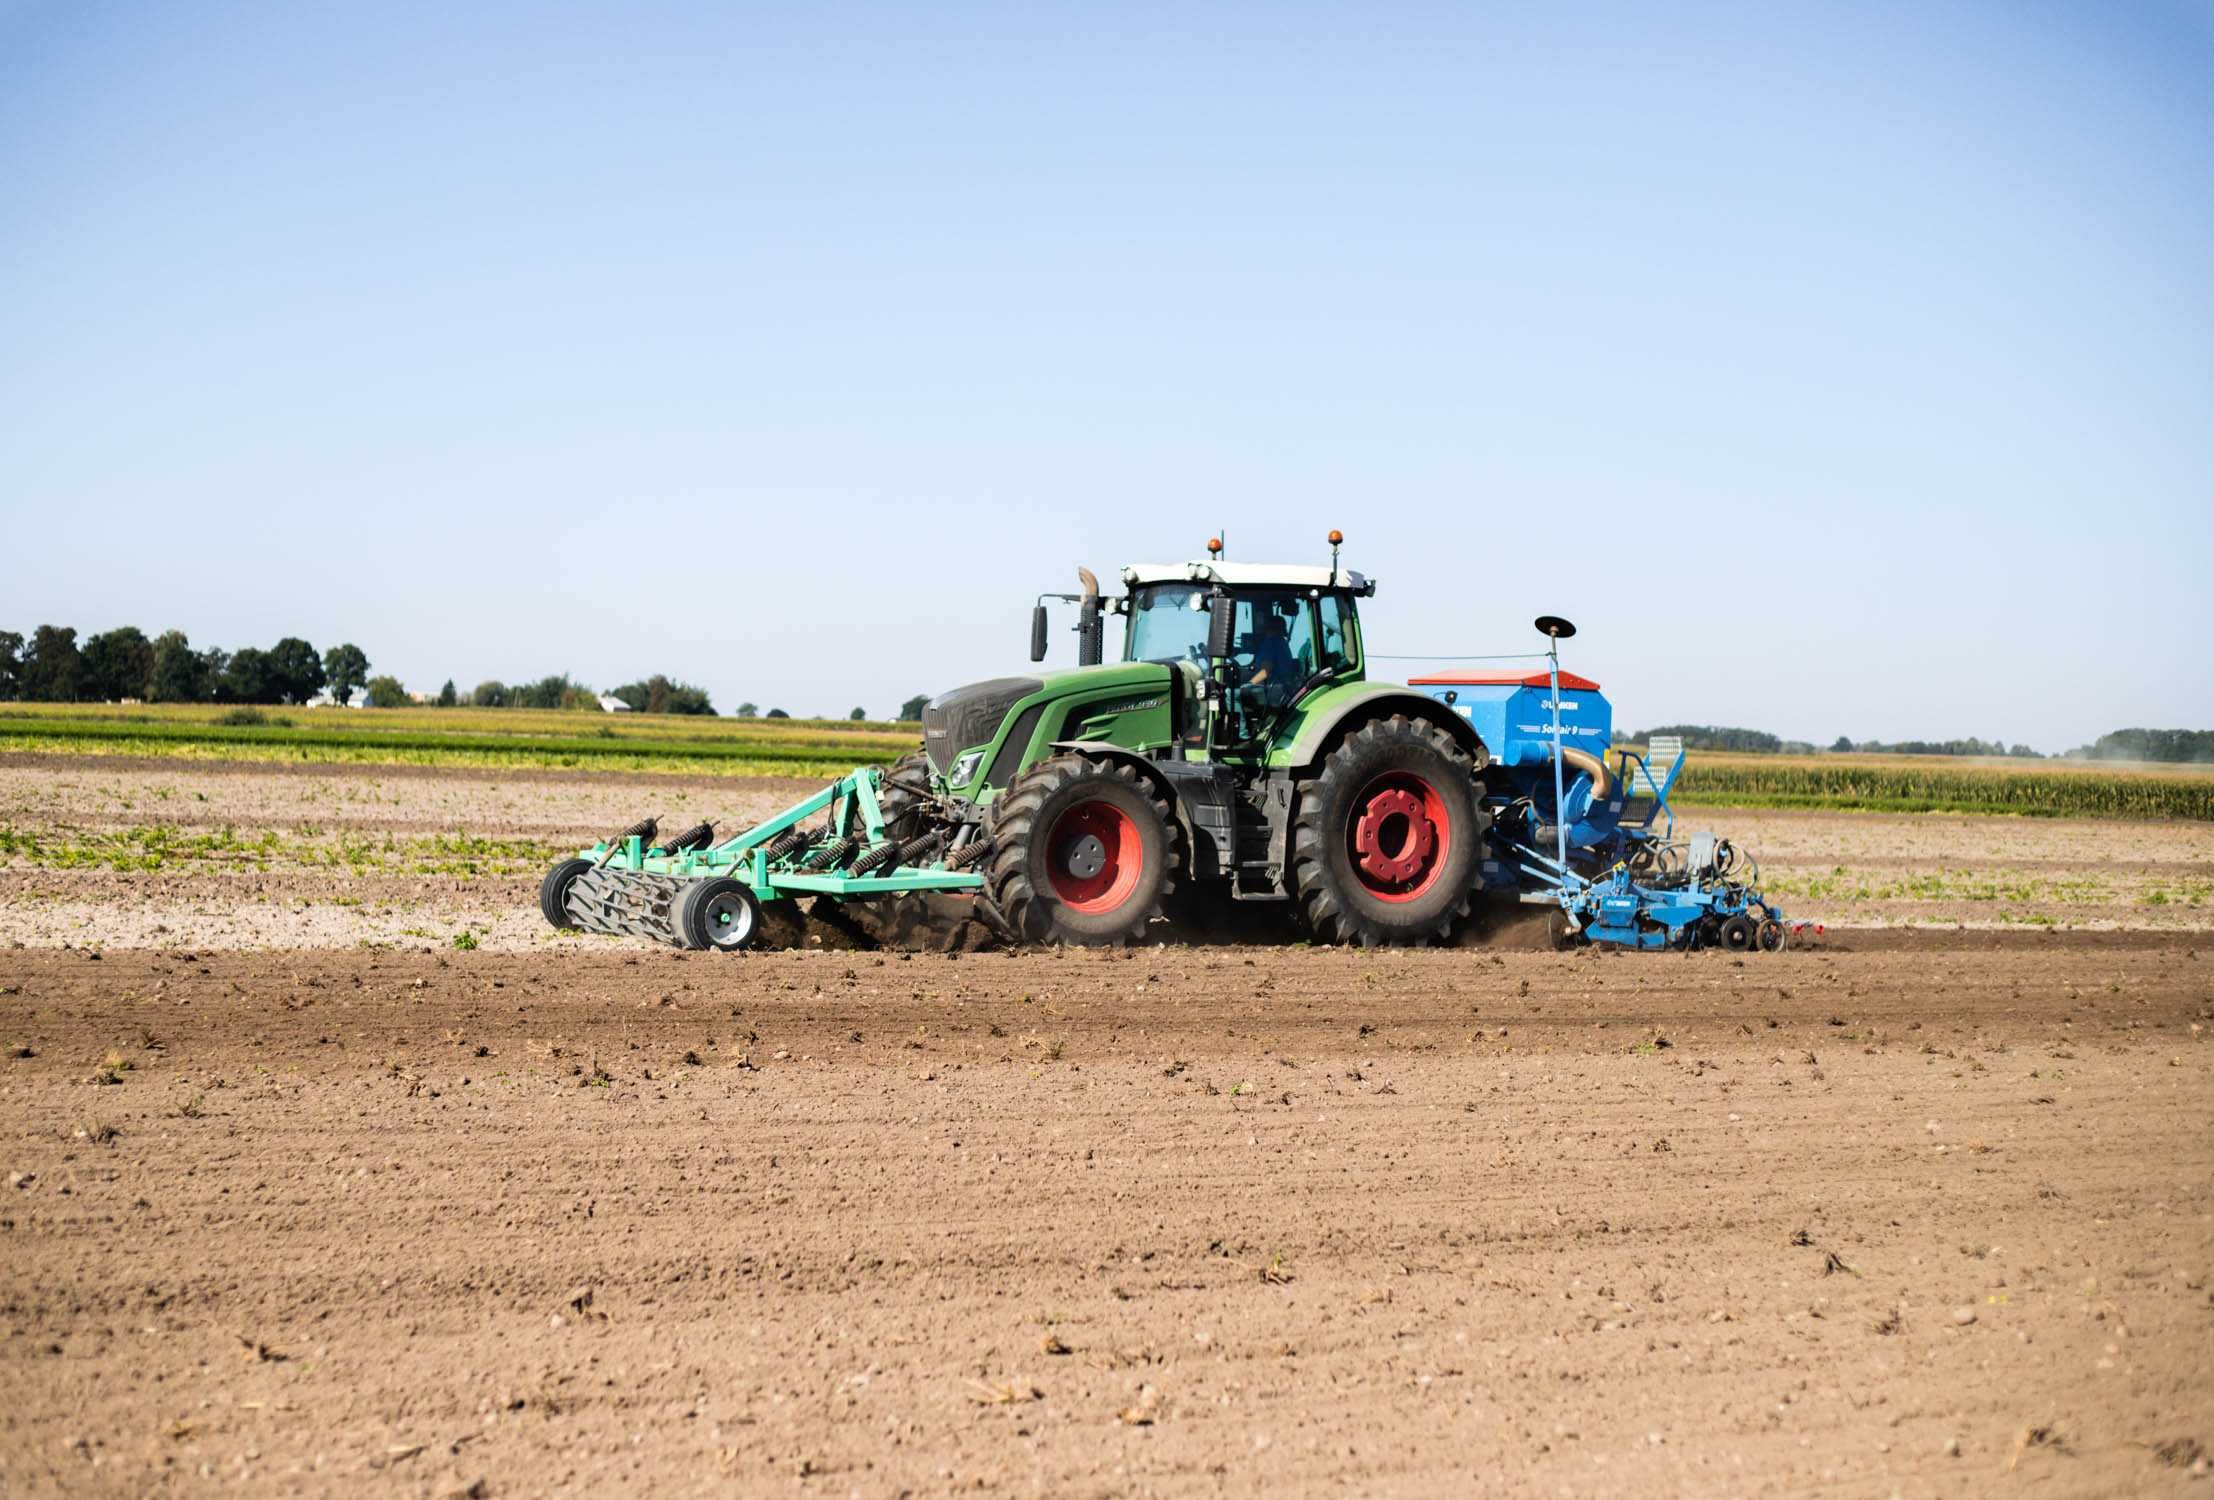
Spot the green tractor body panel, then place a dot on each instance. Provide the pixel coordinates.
(1318, 717)
(1134, 706)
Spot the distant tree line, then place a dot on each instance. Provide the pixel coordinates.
(119, 664)
(51, 666)
(1760, 742)
(2169, 745)
(658, 695)
(1969, 746)
(1714, 737)
(909, 711)
(2185, 745)
(655, 695)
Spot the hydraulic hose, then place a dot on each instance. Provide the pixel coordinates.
(1591, 765)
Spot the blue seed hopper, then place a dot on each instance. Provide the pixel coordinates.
(1584, 826)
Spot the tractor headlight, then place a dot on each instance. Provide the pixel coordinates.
(964, 767)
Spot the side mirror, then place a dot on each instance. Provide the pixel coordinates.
(1221, 619)
(1037, 632)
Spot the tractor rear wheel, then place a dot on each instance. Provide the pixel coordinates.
(1083, 853)
(553, 891)
(1387, 836)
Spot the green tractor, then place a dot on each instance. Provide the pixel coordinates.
(1237, 753)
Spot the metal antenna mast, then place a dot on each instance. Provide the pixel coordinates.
(1555, 630)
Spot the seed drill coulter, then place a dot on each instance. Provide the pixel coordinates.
(1239, 752)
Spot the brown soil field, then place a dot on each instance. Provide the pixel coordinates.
(296, 1201)
(327, 856)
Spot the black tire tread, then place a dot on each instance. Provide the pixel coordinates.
(1322, 906)
(1014, 823)
(903, 796)
(553, 892)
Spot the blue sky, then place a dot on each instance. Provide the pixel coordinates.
(1839, 370)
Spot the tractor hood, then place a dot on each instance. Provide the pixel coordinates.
(1020, 719)
(970, 715)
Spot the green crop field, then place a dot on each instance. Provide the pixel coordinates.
(1940, 783)
(812, 748)
(490, 737)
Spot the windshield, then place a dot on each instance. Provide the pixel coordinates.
(1272, 637)
(1168, 623)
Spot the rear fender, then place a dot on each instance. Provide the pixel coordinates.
(1330, 715)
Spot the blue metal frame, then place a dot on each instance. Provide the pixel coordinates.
(1666, 911)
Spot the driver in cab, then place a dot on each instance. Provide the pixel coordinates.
(1271, 669)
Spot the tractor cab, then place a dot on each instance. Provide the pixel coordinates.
(1249, 639)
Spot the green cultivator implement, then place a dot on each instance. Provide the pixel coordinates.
(693, 892)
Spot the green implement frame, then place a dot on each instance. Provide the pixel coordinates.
(854, 811)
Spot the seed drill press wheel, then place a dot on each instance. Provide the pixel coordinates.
(1739, 934)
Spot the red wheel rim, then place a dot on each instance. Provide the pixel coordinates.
(1398, 836)
(1094, 857)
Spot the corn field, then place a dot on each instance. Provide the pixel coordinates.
(1928, 784)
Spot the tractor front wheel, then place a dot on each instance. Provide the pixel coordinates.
(903, 796)
(1082, 853)
(1387, 836)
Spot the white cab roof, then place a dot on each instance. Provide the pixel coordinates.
(1250, 575)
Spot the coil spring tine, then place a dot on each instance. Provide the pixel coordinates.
(698, 836)
(878, 856)
(790, 841)
(643, 830)
(832, 854)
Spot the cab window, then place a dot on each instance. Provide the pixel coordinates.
(1336, 650)
(1273, 646)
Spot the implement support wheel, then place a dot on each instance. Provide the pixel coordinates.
(720, 914)
(553, 891)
